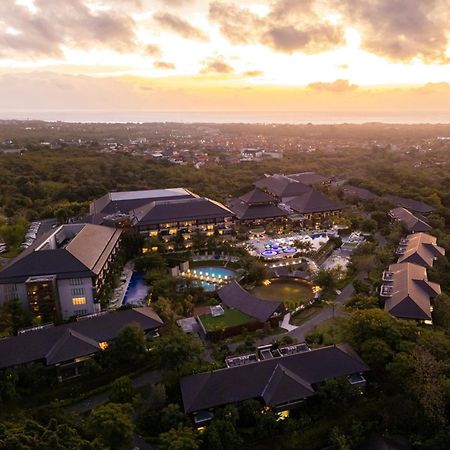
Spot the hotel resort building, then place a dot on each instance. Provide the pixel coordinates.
(299, 201)
(62, 273)
(280, 382)
(66, 348)
(166, 213)
(406, 290)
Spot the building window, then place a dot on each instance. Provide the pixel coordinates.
(78, 300)
(78, 291)
(76, 281)
(80, 312)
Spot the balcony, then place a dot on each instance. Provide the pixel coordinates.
(386, 290)
(388, 276)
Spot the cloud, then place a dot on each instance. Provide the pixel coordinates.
(312, 39)
(35, 91)
(235, 23)
(253, 73)
(335, 86)
(289, 26)
(164, 65)
(402, 30)
(43, 33)
(152, 50)
(216, 65)
(179, 26)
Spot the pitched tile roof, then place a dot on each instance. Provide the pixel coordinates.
(351, 191)
(124, 202)
(84, 256)
(179, 210)
(284, 385)
(234, 296)
(313, 202)
(277, 380)
(281, 186)
(409, 220)
(66, 342)
(256, 196)
(44, 262)
(93, 245)
(69, 346)
(421, 249)
(411, 292)
(416, 206)
(244, 211)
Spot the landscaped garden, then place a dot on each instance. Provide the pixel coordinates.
(230, 318)
(292, 292)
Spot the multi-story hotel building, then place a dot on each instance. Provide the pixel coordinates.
(61, 274)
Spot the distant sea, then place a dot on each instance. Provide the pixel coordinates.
(292, 117)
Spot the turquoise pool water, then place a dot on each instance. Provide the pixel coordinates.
(213, 272)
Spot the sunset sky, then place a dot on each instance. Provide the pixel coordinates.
(283, 55)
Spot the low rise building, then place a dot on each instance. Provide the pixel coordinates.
(67, 347)
(415, 206)
(419, 248)
(279, 383)
(408, 293)
(411, 222)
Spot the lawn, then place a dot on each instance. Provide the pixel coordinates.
(294, 292)
(231, 318)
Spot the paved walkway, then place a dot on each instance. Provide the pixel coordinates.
(324, 314)
(285, 323)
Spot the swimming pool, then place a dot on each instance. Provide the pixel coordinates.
(137, 290)
(211, 278)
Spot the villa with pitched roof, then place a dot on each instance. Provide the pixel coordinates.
(419, 248)
(68, 346)
(279, 383)
(406, 290)
(410, 221)
(408, 293)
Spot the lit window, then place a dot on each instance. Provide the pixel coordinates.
(78, 300)
(153, 233)
(103, 345)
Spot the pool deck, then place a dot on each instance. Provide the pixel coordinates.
(120, 291)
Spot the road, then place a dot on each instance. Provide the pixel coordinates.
(324, 314)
